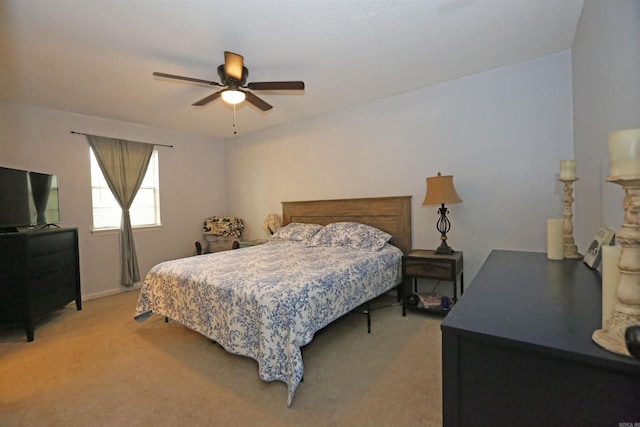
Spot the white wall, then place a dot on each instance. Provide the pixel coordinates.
(191, 185)
(501, 134)
(606, 97)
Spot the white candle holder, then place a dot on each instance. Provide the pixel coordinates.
(570, 250)
(626, 310)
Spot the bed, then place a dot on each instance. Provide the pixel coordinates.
(268, 301)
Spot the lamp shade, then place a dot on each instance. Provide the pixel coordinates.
(440, 190)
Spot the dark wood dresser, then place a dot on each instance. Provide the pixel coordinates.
(517, 349)
(39, 272)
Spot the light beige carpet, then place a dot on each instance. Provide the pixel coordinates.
(99, 367)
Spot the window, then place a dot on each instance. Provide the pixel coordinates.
(145, 210)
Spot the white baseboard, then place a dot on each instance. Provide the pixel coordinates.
(119, 290)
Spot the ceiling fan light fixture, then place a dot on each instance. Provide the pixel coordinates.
(232, 96)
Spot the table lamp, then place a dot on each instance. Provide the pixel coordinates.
(440, 190)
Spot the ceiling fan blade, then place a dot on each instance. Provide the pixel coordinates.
(207, 99)
(295, 85)
(258, 102)
(233, 64)
(189, 79)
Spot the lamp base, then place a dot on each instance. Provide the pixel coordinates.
(443, 226)
(444, 249)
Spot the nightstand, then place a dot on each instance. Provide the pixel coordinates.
(425, 264)
(247, 243)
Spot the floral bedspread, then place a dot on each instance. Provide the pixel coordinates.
(267, 301)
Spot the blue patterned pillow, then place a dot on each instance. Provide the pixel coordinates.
(351, 234)
(296, 231)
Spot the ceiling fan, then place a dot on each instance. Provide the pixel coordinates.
(233, 75)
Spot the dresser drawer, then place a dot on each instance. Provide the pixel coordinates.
(56, 279)
(56, 299)
(46, 243)
(54, 261)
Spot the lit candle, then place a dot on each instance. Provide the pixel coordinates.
(624, 152)
(568, 169)
(555, 239)
(610, 279)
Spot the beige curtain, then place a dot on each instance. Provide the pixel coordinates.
(124, 165)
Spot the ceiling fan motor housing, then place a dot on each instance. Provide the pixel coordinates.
(230, 81)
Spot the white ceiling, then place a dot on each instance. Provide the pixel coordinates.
(96, 57)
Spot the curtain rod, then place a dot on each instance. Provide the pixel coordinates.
(159, 145)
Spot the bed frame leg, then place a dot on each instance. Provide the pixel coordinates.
(368, 317)
(166, 319)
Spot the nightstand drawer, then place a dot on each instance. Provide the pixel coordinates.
(432, 269)
(426, 264)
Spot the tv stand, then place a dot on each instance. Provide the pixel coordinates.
(47, 226)
(39, 273)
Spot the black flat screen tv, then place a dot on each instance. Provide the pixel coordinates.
(27, 199)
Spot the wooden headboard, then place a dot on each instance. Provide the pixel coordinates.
(389, 214)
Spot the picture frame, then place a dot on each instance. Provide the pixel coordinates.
(593, 257)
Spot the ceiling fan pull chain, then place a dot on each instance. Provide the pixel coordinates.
(235, 132)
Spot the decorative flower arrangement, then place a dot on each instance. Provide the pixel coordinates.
(271, 224)
(226, 226)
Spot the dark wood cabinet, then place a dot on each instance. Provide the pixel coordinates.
(517, 349)
(39, 272)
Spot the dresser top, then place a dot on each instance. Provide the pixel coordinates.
(524, 299)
